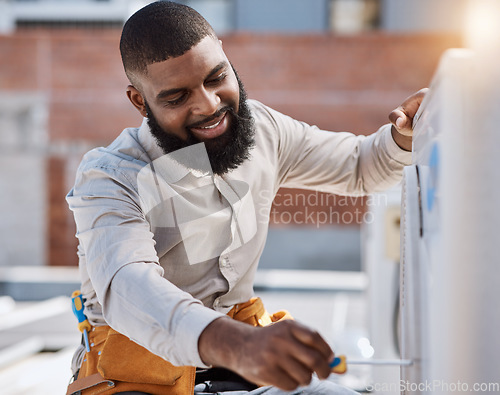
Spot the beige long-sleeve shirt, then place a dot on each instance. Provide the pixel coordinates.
(165, 250)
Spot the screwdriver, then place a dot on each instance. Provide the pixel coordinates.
(83, 324)
(339, 364)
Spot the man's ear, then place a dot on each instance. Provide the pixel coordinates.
(137, 100)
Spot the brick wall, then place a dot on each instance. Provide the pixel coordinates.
(337, 83)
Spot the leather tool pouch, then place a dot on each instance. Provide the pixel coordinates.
(116, 364)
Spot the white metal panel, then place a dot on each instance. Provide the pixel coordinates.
(450, 267)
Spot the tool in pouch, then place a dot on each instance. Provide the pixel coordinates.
(83, 323)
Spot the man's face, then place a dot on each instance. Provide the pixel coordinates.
(194, 98)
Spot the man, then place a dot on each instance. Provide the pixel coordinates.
(172, 218)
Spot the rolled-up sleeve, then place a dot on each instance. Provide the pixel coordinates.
(122, 265)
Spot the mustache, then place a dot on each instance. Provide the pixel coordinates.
(216, 115)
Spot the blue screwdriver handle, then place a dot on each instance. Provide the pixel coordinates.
(83, 324)
(77, 305)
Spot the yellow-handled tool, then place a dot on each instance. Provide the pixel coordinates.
(339, 364)
(83, 323)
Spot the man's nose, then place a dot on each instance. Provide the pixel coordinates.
(206, 102)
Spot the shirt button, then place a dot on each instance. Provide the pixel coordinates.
(224, 261)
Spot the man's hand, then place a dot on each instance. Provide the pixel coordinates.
(402, 119)
(284, 354)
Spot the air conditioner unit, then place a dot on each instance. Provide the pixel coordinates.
(450, 266)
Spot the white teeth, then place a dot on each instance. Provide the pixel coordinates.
(212, 126)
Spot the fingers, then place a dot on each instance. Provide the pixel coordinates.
(314, 362)
(316, 354)
(298, 374)
(311, 338)
(303, 353)
(402, 117)
(290, 354)
(398, 118)
(412, 103)
(279, 377)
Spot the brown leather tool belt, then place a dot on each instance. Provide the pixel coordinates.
(117, 364)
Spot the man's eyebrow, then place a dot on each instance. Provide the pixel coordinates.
(217, 68)
(169, 92)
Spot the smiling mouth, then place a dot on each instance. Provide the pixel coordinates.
(211, 129)
(212, 126)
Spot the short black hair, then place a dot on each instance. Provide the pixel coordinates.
(160, 30)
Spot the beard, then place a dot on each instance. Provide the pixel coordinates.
(225, 152)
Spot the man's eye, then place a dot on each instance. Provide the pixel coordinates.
(178, 100)
(218, 78)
